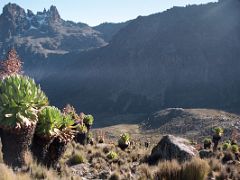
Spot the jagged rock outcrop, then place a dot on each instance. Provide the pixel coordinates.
(170, 148)
(44, 33)
(183, 57)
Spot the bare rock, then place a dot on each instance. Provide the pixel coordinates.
(171, 147)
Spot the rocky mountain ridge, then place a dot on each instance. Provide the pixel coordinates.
(44, 33)
(148, 65)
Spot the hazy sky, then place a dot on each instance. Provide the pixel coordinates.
(94, 12)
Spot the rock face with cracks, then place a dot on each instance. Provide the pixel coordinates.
(171, 147)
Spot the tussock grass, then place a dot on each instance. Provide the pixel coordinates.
(145, 172)
(196, 169)
(7, 173)
(1, 155)
(168, 170)
(76, 158)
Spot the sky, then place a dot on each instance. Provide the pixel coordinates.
(94, 12)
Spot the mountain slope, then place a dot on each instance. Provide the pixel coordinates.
(194, 123)
(44, 33)
(183, 57)
(108, 30)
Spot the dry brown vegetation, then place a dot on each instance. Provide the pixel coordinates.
(12, 64)
(92, 162)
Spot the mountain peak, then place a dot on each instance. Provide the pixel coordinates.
(13, 10)
(54, 14)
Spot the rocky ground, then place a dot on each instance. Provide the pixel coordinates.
(191, 123)
(92, 161)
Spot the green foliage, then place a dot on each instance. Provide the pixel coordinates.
(81, 128)
(112, 155)
(50, 121)
(70, 110)
(207, 141)
(88, 119)
(124, 139)
(20, 100)
(67, 121)
(90, 135)
(226, 146)
(218, 131)
(235, 148)
(77, 158)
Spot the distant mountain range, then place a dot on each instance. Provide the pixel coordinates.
(183, 57)
(46, 33)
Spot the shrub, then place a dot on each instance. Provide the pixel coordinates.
(11, 66)
(70, 110)
(124, 139)
(235, 148)
(20, 98)
(218, 130)
(168, 170)
(67, 130)
(53, 123)
(81, 128)
(50, 121)
(196, 169)
(112, 155)
(76, 158)
(20, 101)
(88, 119)
(226, 146)
(207, 141)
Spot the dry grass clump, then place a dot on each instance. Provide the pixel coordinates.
(215, 165)
(145, 172)
(168, 170)
(8, 174)
(196, 169)
(76, 158)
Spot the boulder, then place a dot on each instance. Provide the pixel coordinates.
(204, 153)
(171, 147)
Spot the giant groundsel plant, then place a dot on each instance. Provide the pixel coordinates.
(20, 100)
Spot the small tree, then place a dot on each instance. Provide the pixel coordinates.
(207, 143)
(218, 132)
(124, 141)
(12, 65)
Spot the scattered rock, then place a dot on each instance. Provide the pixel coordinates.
(171, 147)
(104, 174)
(205, 154)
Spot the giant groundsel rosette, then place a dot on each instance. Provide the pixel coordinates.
(20, 100)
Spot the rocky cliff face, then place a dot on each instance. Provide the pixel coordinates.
(183, 57)
(44, 33)
(108, 30)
